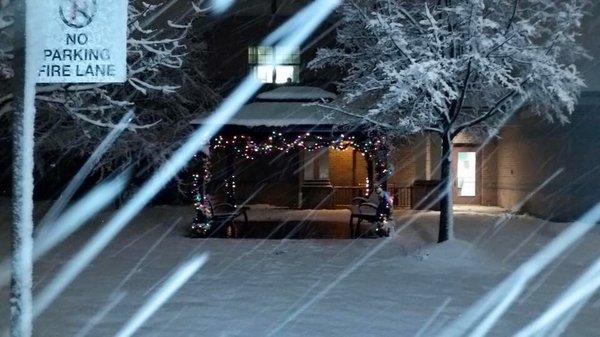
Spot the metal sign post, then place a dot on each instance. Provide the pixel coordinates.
(65, 41)
(22, 193)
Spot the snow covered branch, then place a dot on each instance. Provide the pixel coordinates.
(448, 66)
(164, 57)
(456, 66)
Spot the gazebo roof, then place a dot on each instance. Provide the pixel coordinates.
(279, 114)
(286, 107)
(296, 93)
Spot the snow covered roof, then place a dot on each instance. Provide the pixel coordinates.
(296, 93)
(282, 114)
(286, 106)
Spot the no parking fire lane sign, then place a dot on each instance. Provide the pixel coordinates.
(82, 41)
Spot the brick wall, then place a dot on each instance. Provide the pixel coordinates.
(360, 169)
(532, 150)
(489, 174)
(404, 163)
(340, 167)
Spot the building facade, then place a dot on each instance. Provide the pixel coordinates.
(532, 166)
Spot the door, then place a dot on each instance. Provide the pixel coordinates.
(466, 169)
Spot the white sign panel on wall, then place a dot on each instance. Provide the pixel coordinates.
(82, 41)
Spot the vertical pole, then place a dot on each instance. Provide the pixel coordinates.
(370, 173)
(206, 174)
(381, 167)
(230, 179)
(198, 177)
(300, 171)
(353, 167)
(446, 230)
(22, 193)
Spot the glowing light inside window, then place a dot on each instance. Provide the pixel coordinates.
(466, 174)
(261, 61)
(282, 74)
(316, 165)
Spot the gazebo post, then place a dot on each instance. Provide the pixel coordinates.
(230, 178)
(199, 177)
(370, 173)
(381, 160)
(201, 180)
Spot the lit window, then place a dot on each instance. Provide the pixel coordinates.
(261, 61)
(316, 165)
(466, 174)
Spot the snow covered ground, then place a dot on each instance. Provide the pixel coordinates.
(253, 287)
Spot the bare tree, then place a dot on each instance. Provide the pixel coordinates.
(165, 84)
(446, 67)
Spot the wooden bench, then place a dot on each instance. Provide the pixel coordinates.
(362, 209)
(222, 217)
(224, 213)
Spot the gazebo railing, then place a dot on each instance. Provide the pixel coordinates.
(343, 195)
(402, 196)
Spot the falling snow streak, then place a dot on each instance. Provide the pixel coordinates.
(319, 9)
(220, 6)
(578, 293)
(71, 220)
(113, 302)
(348, 270)
(502, 222)
(433, 317)
(263, 241)
(166, 291)
(141, 261)
(484, 314)
(85, 170)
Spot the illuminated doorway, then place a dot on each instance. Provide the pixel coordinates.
(466, 166)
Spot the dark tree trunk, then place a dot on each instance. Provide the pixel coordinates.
(446, 230)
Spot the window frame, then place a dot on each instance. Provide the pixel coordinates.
(316, 165)
(265, 55)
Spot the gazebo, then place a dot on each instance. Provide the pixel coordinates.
(292, 122)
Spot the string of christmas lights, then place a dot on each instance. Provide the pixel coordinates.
(247, 147)
(202, 222)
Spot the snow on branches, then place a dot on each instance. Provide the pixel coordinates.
(6, 45)
(163, 58)
(446, 66)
